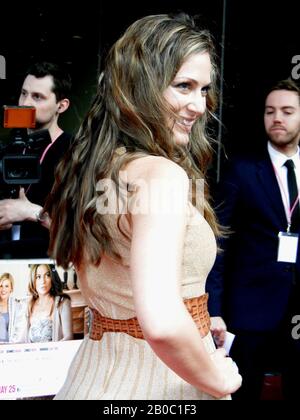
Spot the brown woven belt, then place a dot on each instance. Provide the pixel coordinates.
(197, 308)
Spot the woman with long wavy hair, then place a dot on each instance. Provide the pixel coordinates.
(122, 213)
(46, 314)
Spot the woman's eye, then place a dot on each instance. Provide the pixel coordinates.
(183, 86)
(205, 90)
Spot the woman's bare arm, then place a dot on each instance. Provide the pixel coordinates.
(156, 258)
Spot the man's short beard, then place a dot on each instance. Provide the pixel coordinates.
(284, 141)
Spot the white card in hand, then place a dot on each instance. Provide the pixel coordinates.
(229, 337)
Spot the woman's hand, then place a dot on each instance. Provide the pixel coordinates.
(228, 369)
(218, 329)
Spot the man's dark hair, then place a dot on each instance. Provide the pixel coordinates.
(61, 79)
(287, 84)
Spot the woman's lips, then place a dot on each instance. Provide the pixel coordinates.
(186, 125)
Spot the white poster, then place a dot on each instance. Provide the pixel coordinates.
(34, 370)
(33, 363)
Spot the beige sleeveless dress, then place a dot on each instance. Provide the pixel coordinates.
(120, 367)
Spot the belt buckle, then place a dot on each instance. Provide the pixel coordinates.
(89, 321)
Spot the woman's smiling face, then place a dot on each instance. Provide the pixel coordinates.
(187, 95)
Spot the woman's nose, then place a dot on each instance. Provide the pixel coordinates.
(198, 104)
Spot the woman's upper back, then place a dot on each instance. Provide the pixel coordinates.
(108, 287)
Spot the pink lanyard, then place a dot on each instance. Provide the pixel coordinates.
(46, 151)
(42, 158)
(292, 207)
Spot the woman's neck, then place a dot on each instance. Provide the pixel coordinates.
(43, 306)
(3, 305)
(45, 299)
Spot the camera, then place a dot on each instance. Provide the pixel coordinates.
(20, 156)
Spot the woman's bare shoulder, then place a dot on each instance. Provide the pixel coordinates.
(154, 167)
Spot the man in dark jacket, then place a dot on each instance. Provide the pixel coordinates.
(46, 87)
(254, 285)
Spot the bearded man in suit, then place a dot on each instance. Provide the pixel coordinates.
(254, 285)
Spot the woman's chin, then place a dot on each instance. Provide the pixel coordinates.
(182, 139)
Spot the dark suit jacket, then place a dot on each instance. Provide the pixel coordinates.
(247, 286)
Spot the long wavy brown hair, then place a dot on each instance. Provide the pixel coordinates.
(129, 110)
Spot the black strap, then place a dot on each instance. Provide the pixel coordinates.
(293, 193)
